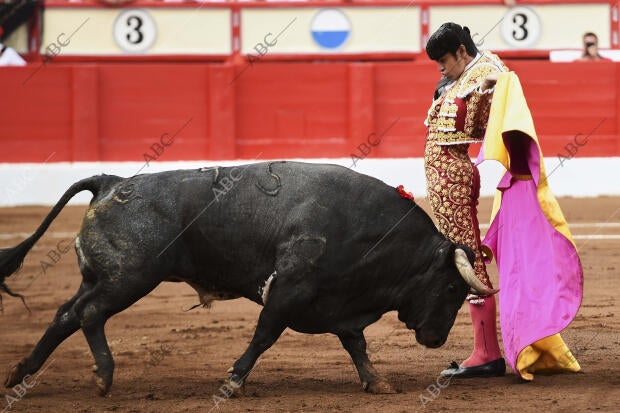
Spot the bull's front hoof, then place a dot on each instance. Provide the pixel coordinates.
(102, 381)
(103, 386)
(233, 387)
(378, 387)
(16, 374)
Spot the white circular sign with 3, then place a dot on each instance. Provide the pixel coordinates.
(521, 27)
(134, 30)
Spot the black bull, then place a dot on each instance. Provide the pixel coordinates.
(322, 248)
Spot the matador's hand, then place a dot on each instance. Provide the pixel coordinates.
(489, 82)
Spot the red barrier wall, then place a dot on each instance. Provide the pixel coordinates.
(116, 112)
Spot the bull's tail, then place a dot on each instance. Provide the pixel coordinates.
(11, 259)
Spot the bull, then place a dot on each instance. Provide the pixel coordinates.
(322, 248)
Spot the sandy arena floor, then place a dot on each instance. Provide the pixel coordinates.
(175, 361)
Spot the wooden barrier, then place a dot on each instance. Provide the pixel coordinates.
(120, 111)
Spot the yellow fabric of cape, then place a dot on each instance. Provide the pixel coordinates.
(510, 112)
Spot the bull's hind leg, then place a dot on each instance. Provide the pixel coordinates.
(65, 323)
(372, 382)
(107, 299)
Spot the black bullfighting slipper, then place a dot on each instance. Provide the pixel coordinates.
(495, 368)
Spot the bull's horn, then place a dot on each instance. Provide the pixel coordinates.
(468, 274)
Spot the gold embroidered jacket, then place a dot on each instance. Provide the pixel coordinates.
(461, 113)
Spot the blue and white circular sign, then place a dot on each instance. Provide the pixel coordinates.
(330, 28)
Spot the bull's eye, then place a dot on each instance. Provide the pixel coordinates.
(451, 288)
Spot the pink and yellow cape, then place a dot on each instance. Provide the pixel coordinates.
(540, 275)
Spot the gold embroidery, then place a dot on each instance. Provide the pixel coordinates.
(452, 193)
(478, 117)
(471, 79)
(449, 109)
(455, 136)
(474, 114)
(445, 123)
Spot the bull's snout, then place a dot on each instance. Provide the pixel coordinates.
(430, 340)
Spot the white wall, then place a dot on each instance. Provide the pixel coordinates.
(43, 184)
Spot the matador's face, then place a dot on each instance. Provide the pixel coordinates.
(451, 66)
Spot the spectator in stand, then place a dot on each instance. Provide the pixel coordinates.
(9, 57)
(590, 49)
(13, 13)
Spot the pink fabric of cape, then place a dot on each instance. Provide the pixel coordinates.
(540, 275)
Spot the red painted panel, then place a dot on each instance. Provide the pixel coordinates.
(220, 113)
(292, 109)
(140, 103)
(404, 92)
(120, 111)
(35, 114)
(85, 138)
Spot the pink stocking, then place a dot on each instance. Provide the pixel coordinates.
(486, 347)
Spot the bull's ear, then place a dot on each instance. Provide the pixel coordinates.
(470, 254)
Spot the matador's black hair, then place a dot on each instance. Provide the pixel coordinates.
(447, 39)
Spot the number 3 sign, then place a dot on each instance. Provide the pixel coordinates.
(134, 30)
(521, 27)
